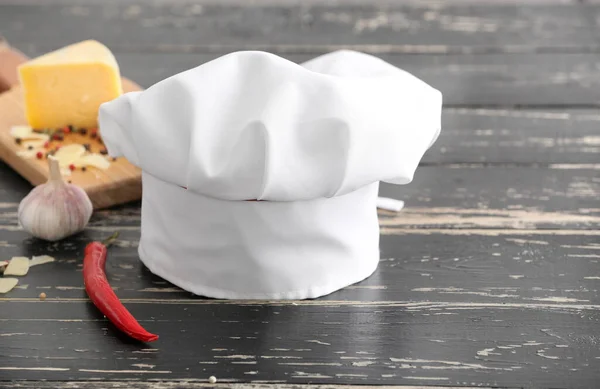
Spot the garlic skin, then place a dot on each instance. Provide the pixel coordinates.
(55, 210)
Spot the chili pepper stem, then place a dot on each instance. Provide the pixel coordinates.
(111, 239)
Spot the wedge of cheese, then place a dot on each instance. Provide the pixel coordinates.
(66, 87)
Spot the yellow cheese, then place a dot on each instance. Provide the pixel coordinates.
(66, 87)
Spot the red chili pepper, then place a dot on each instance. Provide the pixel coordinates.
(102, 295)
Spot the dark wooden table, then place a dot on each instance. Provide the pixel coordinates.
(490, 277)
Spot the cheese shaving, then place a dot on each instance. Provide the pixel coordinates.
(26, 132)
(68, 154)
(7, 284)
(94, 160)
(40, 260)
(36, 144)
(18, 266)
(28, 153)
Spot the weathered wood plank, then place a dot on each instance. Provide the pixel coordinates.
(481, 80)
(522, 269)
(412, 27)
(489, 346)
(444, 196)
(517, 136)
(192, 384)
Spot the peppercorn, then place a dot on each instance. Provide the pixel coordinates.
(69, 181)
(114, 158)
(83, 168)
(58, 136)
(71, 167)
(30, 147)
(87, 146)
(103, 151)
(83, 131)
(42, 296)
(39, 155)
(18, 141)
(71, 128)
(66, 130)
(46, 144)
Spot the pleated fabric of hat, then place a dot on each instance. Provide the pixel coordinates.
(260, 176)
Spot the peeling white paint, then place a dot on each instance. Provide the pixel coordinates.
(279, 357)
(125, 371)
(362, 363)
(442, 364)
(35, 368)
(373, 287)
(527, 241)
(301, 374)
(235, 356)
(558, 299)
(591, 247)
(486, 352)
(310, 364)
(143, 366)
(484, 232)
(352, 375)
(542, 354)
(161, 290)
(318, 342)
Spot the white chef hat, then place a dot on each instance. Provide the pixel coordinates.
(311, 141)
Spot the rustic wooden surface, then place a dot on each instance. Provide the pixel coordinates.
(489, 278)
(119, 184)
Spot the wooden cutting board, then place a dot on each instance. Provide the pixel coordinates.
(119, 184)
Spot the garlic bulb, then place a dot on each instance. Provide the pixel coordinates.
(55, 210)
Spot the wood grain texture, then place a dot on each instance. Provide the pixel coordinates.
(515, 268)
(535, 137)
(431, 344)
(477, 80)
(482, 80)
(490, 277)
(444, 196)
(192, 384)
(119, 184)
(186, 25)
